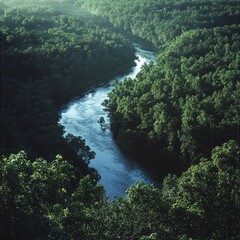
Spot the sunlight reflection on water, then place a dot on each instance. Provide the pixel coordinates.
(80, 118)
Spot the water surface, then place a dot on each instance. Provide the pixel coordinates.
(80, 118)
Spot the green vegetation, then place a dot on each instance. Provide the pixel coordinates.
(157, 22)
(45, 200)
(189, 101)
(47, 59)
(183, 111)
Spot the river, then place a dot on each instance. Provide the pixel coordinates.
(80, 118)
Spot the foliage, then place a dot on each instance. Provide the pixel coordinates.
(46, 200)
(188, 102)
(157, 22)
(185, 105)
(205, 200)
(47, 59)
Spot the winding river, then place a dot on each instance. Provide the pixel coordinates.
(80, 118)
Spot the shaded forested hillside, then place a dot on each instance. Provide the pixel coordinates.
(47, 59)
(159, 21)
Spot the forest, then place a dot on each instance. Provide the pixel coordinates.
(47, 59)
(181, 113)
(188, 102)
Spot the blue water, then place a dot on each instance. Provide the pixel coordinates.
(80, 118)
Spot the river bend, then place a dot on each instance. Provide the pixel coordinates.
(80, 118)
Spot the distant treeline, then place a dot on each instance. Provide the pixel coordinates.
(160, 21)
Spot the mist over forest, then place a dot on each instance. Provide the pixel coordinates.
(179, 114)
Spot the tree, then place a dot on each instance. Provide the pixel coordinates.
(43, 200)
(140, 213)
(205, 200)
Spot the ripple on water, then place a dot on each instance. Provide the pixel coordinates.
(117, 171)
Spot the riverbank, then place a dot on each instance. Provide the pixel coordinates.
(80, 118)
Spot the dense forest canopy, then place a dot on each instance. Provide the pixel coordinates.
(183, 111)
(159, 21)
(45, 200)
(47, 59)
(189, 101)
